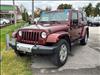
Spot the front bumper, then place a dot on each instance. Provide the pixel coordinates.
(34, 49)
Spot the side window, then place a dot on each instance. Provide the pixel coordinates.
(74, 16)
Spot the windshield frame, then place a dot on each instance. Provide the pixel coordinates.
(65, 12)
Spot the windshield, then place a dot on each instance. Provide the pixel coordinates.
(54, 16)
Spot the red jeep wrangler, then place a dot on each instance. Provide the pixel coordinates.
(53, 34)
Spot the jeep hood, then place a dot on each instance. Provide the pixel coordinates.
(50, 28)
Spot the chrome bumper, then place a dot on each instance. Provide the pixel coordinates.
(35, 49)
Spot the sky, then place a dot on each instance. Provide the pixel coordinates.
(53, 4)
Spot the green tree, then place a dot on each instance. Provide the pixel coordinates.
(25, 16)
(37, 12)
(64, 6)
(48, 9)
(97, 9)
(89, 10)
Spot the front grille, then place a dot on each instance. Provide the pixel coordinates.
(30, 36)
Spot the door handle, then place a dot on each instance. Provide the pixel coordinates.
(71, 28)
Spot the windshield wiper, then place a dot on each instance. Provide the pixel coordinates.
(51, 22)
(58, 22)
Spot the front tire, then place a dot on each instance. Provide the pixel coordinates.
(4, 23)
(84, 40)
(61, 54)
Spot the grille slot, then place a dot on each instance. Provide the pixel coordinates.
(30, 36)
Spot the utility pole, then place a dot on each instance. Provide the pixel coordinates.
(14, 12)
(32, 10)
(13, 2)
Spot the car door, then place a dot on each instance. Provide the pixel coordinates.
(82, 22)
(75, 28)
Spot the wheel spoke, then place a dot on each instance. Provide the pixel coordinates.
(63, 52)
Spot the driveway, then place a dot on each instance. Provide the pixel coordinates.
(85, 59)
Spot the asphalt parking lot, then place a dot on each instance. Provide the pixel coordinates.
(85, 59)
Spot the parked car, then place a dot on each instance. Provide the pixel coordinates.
(4, 21)
(34, 20)
(90, 21)
(93, 21)
(12, 21)
(54, 35)
(96, 21)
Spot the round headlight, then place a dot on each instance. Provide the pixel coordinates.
(20, 33)
(43, 35)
